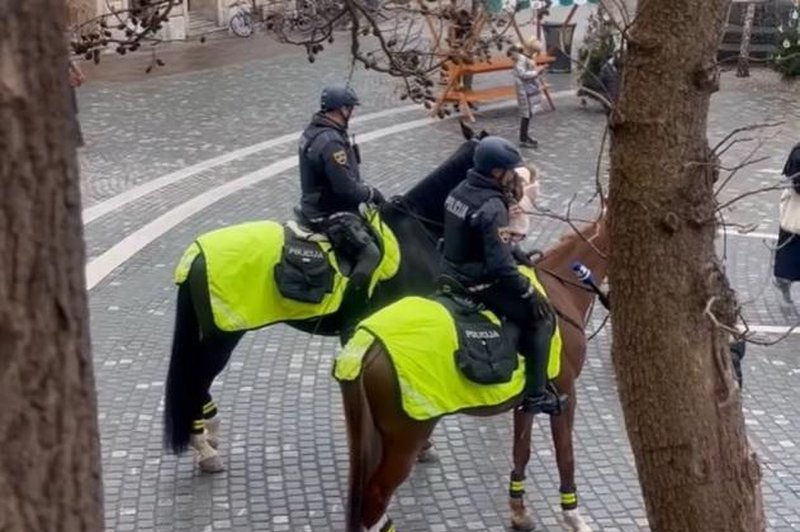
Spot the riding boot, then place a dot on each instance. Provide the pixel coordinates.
(538, 398)
(355, 299)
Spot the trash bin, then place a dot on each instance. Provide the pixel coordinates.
(553, 38)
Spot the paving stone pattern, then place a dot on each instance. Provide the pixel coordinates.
(284, 439)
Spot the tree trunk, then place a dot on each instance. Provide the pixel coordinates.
(743, 63)
(50, 460)
(682, 409)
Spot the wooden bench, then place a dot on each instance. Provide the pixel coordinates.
(453, 91)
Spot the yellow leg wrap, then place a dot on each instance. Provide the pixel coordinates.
(209, 410)
(569, 500)
(198, 425)
(516, 487)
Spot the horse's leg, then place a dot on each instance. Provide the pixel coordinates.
(225, 344)
(523, 425)
(400, 441)
(215, 353)
(212, 422)
(399, 454)
(561, 428)
(428, 454)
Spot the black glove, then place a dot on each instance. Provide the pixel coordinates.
(542, 310)
(375, 196)
(526, 259)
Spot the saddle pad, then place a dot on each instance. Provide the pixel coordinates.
(487, 351)
(240, 261)
(420, 337)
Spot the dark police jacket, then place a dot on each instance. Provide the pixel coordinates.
(329, 178)
(474, 252)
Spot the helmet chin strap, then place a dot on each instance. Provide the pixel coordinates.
(342, 116)
(346, 113)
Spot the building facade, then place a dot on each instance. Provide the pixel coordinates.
(187, 18)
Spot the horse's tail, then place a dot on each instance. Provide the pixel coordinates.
(361, 436)
(180, 378)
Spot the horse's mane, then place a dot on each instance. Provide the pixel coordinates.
(427, 197)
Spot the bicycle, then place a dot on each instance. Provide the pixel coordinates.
(241, 22)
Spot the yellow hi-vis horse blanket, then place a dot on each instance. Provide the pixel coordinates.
(420, 337)
(240, 263)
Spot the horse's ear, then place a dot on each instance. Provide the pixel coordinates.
(483, 134)
(467, 131)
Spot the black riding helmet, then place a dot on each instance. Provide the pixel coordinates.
(337, 96)
(496, 152)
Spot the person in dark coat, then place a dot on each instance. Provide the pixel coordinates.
(787, 255)
(482, 261)
(332, 191)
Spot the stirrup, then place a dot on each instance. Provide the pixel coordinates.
(550, 403)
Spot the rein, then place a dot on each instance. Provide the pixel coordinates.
(568, 282)
(401, 205)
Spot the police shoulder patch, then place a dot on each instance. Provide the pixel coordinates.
(340, 157)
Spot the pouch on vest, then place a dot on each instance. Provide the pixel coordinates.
(486, 354)
(304, 273)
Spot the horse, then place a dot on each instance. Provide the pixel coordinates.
(384, 440)
(201, 349)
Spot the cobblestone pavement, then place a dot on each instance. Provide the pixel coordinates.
(285, 445)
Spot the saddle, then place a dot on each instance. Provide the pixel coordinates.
(305, 272)
(347, 254)
(487, 348)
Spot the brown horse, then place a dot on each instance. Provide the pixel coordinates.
(384, 442)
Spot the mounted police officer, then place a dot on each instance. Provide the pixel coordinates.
(332, 189)
(482, 260)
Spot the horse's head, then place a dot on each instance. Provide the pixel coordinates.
(588, 245)
(426, 198)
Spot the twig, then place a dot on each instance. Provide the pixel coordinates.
(750, 193)
(743, 333)
(751, 127)
(567, 218)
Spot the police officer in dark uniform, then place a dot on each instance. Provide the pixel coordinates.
(332, 189)
(478, 257)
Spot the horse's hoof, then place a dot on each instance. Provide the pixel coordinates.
(212, 464)
(573, 521)
(523, 522)
(428, 456)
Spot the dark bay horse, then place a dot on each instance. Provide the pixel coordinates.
(200, 350)
(384, 441)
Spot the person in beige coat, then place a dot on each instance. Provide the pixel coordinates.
(526, 85)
